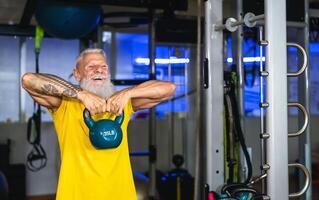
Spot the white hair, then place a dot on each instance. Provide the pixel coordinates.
(105, 90)
(90, 51)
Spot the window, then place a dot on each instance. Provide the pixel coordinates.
(314, 74)
(56, 57)
(9, 78)
(171, 62)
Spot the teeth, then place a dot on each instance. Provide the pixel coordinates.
(97, 78)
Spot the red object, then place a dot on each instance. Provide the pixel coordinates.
(211, 196)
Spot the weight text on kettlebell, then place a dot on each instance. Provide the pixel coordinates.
(106, 134)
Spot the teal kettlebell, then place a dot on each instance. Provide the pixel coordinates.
(104, 133)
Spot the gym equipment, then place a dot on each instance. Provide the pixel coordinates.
(177, 184)
(105, 133)
(67, 21)
(141, 185)
(3, 187)
(275, 127)
(234, 138)
(37, 158)
(231, 24)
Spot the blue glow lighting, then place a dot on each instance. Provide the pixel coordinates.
(171, 60)
(140, 176)
(248, 59)
(314, 47)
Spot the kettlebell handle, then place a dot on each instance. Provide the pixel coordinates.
(87, 118)
(90, 122)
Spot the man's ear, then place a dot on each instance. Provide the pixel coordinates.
(76, 74)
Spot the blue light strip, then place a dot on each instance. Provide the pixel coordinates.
(248, 59)
(171, 60)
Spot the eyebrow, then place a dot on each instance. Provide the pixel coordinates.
(88, 63)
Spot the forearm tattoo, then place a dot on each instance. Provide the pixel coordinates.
(57, 86)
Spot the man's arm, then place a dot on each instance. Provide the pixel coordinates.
(48, 90)
(145, 95)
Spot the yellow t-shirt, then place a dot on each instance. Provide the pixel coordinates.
(87, 173)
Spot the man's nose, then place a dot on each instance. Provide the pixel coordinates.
(98, 68)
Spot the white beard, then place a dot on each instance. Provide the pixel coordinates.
(105, 90)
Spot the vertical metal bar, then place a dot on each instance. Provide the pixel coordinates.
(198, 108)
(276, 115)
(152, 116)
(238, 57)
(98, 43)
(187, 100)
(303, 98)
(112, 58)
(170, 119)
(23, 66)
(213, 95)
(262, 114)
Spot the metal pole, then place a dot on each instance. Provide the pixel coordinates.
(152, 117)
(276, 115)
(112, 58)
(198, 101)
(238, 46)
(23, 66)
(170, 120)
(262, 114)
(187, 100)
(290, 24)
(303, 96)
(213, 96)
(98, 43)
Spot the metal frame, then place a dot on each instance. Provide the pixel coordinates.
(213, 96)
(238, 57)
(262, 113)
(15, 30)
(22, 93)
(303, 98)
(198, 109)
(276, 115)
(29, 9)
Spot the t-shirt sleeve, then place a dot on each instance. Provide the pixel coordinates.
(129, 108)
(60, 111)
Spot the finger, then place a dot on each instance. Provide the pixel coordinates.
(120, 111)
(104, 107)
(114, 109)
(95, 110)
(92, 112)
(114, 105)
(108, 105)
(90, 108)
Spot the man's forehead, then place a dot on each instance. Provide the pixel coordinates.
(93, 58)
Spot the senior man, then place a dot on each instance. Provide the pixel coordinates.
(87, 173)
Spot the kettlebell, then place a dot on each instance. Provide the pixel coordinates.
(104, 133)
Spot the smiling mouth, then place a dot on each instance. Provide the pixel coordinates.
(98, 79)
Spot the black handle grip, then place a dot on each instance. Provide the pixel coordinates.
(205, 74)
